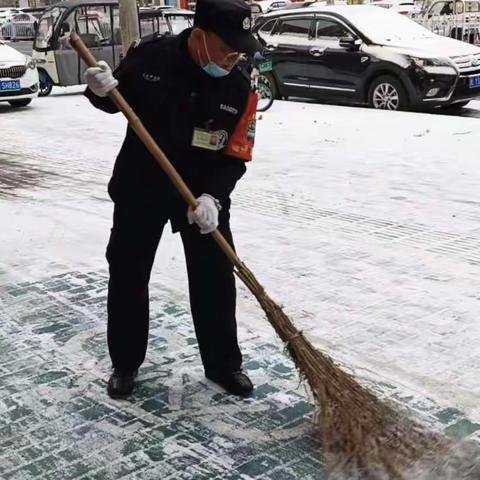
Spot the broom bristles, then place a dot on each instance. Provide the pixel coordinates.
(361, 436)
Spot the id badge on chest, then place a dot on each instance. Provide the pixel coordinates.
(209, 139)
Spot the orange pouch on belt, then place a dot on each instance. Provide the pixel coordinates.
(242, 139)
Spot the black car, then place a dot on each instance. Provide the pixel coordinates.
(366, 55)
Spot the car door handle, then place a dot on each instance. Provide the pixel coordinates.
(316, 52)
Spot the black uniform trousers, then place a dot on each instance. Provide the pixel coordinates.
(131, 251)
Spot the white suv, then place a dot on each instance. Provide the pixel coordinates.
(18, 77)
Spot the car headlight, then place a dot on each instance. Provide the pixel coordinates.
(30, 63)
(435, 65)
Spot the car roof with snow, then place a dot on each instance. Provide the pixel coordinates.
(350, 12)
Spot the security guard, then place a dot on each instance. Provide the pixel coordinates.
(193, 97)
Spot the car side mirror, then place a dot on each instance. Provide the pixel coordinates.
(350, 43)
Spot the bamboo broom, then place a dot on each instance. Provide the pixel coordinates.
(362, 437)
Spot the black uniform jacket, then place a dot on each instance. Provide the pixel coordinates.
(172, 96)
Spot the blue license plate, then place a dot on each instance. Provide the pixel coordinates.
(474, 82)
(9, 85)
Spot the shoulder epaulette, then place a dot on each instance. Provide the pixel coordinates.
(146, 40)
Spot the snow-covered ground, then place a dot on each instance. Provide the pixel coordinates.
(364, 224)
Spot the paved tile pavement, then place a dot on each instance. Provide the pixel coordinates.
(56, 420)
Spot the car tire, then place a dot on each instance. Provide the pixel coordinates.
(456, 33)
(387, 93)
(46, 84)
(20, 103)
(459, 34)
(270, 80)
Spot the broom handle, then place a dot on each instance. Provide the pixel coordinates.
(154, 149)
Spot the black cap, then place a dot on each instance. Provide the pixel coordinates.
(231, 20)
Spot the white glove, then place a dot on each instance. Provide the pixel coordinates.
(100, 79)
(206, 214)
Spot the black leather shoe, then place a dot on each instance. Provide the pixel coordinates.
(120, 383)
(236, 383)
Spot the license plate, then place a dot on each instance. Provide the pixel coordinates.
(9, 85)
(474, 82)
(265, 67)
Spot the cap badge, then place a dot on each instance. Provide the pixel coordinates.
(247, 23)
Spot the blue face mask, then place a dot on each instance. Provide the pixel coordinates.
(212, 68)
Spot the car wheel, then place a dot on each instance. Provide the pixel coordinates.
(20, 103)
(387, 93)
(464, 36)
(456, 33)
(269, 80)
(46, 84)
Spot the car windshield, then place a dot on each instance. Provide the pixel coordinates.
(386, 27)
(46, 26)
